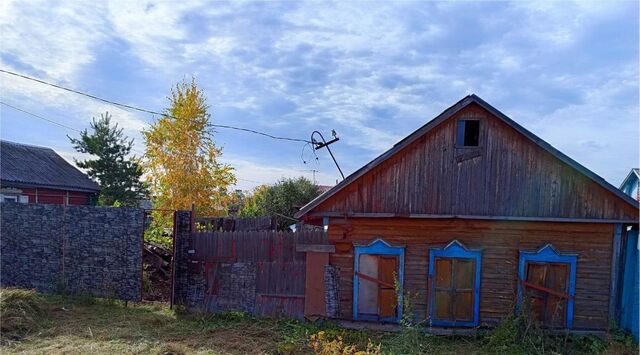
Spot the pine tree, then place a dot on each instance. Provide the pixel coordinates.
(119, 176)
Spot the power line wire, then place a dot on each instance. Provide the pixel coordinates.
(253, 181)
(52, 121)
(40, 117)
(145, 110)
(79, 131)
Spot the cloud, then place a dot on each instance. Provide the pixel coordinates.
(66, 108)
(55, 42)
(50, 39)
(374, 72)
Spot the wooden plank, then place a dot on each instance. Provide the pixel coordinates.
(316, 248)
(314, 290)
(387, 273)
(278, 295)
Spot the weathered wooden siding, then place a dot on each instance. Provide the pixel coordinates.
(507, 175)
(500, 241)
(253, 271)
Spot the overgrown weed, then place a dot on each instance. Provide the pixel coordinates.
(62, 324)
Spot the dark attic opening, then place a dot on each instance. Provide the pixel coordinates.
(468, 134)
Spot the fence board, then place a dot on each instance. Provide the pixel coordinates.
(265, 260)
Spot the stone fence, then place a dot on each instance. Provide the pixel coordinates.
(76, 249)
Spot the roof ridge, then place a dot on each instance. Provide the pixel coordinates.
(26, 145)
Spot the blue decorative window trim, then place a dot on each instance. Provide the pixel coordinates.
(455, 249)
(378, 247)
(548, 254)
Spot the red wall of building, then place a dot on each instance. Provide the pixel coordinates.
(56, 196)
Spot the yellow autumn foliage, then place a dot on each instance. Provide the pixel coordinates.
(182, 160)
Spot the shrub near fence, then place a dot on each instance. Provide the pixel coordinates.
(78, 249)
(258, 272)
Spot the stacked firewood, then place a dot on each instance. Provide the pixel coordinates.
(157, 273)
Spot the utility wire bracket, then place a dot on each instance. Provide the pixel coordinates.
(325, 144)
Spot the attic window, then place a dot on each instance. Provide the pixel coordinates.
(468, 134)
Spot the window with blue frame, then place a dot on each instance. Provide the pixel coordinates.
(454, 272)
(377, 268)
(547, 284)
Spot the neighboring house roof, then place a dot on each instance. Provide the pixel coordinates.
(449, 112)
(324, 188)
(631, 184)
(23, 165)
(634, 174)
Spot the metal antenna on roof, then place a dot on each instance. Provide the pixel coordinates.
(324, 143)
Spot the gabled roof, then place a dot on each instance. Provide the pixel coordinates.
(23, 165)
(633, 174)
(449, 112)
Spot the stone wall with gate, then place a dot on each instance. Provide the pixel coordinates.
(77, 249)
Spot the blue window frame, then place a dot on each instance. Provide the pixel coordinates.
(548, 254)
(378, 247)
(456, 250)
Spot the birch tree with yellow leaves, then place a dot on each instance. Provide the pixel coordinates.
(182, 161)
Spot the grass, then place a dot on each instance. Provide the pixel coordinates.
(37, 324)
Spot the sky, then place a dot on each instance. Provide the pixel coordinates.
(373, 72)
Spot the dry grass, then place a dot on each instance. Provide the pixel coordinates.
(83, 325)
(21, 314)
(34, 324)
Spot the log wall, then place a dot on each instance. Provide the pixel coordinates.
(500, 242)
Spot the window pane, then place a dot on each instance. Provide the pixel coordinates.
(471, 133)
(388, 269)
(388, 302)
(536, 273)
(442, 305)
(556, 312)
(464, 274)
(368, 290)
(557, 277)
(463, 306)
(443, 272)
(549, 309)
(537, 303)
(460, 133)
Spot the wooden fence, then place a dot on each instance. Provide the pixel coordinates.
(229, 224)
(254, 271)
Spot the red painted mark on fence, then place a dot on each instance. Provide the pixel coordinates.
(233, 249)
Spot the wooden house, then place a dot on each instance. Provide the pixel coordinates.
(470, 215)
(30, 174)
(631, 184)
